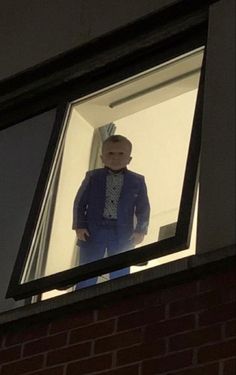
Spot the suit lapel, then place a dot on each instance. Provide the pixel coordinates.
(101, 189)
(124, 191)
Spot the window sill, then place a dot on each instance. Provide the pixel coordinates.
(175, 272)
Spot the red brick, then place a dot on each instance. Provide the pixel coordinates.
(218, 281)
(69, 354)
(127, 370)
(72, 321)
(118, 341)
(93, 331)
(211, 369)
(178, 292)
(45, 344)
(170, 327)
(51, 371)
(218, 314)
(230, 293)
(195, 338)
(230, 329)
(129, 305)
(168, 363)
(141, 318)
(10, 354)
(26, 333)
(216, 351)
(23, 366)
(87, 366)
(139, 352)
(230, 367)
(202, 302)
(183, 306)
(1, 340)
(220, 296)
(122, 307)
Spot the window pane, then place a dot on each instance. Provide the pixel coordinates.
(155, 112)
(22, 151)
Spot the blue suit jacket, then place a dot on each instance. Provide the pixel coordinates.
(133, 202)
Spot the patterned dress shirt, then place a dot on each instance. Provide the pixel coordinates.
(114, 183)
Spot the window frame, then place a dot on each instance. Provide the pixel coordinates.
(123, 53)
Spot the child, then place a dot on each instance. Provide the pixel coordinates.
(105, 206)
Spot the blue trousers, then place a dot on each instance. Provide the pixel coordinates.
(105, 240)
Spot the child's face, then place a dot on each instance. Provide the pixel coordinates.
(116, 155)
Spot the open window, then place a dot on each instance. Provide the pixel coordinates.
(153, 96)
(155, 110)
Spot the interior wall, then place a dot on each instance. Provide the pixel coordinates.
(217, 208)
(160, 136)
(74, 166)
(63, 252)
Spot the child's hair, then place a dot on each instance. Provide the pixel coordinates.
(117, 138)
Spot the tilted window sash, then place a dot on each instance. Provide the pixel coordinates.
(81, 73)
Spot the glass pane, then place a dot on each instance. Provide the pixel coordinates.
(22, 151)
(155, 112)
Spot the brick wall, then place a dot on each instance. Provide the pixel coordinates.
(189, 329)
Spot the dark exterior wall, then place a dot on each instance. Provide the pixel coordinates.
(217, 206)
(33, 32)
(185, 329)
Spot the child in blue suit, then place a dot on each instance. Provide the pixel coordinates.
(111, 209)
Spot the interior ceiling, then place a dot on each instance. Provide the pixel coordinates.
(150, 88)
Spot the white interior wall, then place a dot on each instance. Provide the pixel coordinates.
(62, 250)
(160, 137)
(75, 164)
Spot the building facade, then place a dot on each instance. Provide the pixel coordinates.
(176, 318)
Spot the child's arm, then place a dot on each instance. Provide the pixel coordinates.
(80, 224)
(142, 213)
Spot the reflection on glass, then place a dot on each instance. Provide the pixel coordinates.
(155, 112)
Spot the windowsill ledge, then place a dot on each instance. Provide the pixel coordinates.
(157, 277)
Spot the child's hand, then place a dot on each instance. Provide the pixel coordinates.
(137, 238)
(82, 234)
